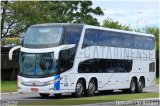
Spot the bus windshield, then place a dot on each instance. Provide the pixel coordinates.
(41, 64)
(43, 37)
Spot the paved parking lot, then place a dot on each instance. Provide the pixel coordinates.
(35, 96)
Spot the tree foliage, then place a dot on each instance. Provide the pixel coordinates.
(110, 23)
(155, 32)
(17, 16)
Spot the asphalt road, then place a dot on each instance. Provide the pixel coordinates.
(35, 96)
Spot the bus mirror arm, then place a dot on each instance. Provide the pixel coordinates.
(11, 51)
(63, 47)
(67, 46)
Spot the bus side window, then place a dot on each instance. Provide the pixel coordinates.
(127, 41)
(152, 67)
(124, 65)
(104, 38)
(148, 43)
(90, 38)
(116, 40)
(72, 36)
(138, 42)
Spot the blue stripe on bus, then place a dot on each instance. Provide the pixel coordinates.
(57, 84)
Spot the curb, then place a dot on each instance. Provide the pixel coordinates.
(113, 102)
(8, 93)
(150, 99)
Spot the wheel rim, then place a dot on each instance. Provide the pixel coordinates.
(91, 88)
(133, 86)
(79, 88)
(140, 84)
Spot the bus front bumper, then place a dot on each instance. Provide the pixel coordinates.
(42, 89)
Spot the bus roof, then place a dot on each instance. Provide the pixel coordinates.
(118, 30)
(95, 27)
(58, 24)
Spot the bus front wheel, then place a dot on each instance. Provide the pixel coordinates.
(44, 95)
(79, 89)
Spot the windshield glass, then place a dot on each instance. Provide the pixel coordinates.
(42, 36)
(42, 64)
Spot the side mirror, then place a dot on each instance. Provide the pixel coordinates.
(11, 51)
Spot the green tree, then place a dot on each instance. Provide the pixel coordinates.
(155, 32)
(17, 16)
(110, 23)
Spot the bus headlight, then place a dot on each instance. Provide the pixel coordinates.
(51, 82)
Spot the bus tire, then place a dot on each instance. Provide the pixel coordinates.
(79, 89)
(44, 95)
(58, 95)
(140, 86)
(132, 88)
(133, 85)
(91, 88)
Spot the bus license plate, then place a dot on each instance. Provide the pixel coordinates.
(34, 89)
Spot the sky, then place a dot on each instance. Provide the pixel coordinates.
(137, 14)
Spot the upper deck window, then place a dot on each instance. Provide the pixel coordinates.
(116, 40)
(127, 41)
(149, 43)
(43, 36)
(72, 34)
(90, 38)
(103, 38)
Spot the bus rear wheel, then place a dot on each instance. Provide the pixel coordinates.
(132, 88)
(91, 88)
(44, 95)
(140, 86)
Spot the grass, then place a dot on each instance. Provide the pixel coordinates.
(157, 80)
(8, 86)
(95, 99)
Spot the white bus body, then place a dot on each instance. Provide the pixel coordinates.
(104, 59)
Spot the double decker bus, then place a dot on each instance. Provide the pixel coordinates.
(82, 59)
